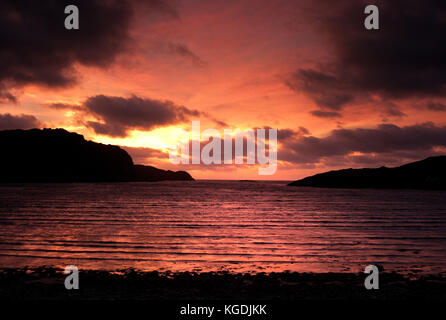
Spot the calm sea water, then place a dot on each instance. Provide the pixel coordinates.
(221, 225)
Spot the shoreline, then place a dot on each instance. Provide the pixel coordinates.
(47, 283)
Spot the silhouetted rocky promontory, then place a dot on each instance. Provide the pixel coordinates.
(56, 155)
(429, 173)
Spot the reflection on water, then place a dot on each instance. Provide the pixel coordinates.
(215, 225)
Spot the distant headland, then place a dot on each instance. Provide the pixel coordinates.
(56, 155)
(429, 174)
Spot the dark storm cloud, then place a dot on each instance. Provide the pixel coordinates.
(394, 111)
(37, 49)
(326, 90)
(107, 129)
(63, 106)
(122, 114)
(289, 134)
(413, 141)
(325, 114)
(404, 58)
(143, 155)
(435, 106)
(117, 115)
(284, 134)
(184, 51)
(219, 123)
(10, 122)
(5, 96)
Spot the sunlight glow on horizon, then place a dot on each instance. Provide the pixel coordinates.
(162, 138)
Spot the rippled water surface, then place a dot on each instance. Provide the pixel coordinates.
(215, 225)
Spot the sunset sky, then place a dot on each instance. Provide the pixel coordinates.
(137, 73)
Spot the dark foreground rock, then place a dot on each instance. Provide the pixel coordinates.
(48, 284)
(56, 155)
(427, 174)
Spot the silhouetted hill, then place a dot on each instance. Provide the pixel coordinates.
(148, 173)
(429, 173)
(56, 155)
